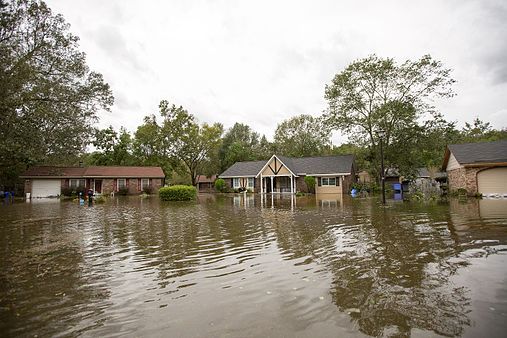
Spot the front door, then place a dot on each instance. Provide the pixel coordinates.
(98, 186)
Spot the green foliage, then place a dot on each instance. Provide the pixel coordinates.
(123, 191)
(185, 141)
(148, 190)
(241, 143)
(49, 98)
(113, 148)
(302, 136)
(220, 185)
(100, 199)
(375, 94)
(67, 191)
(178, 193)
(310, 183)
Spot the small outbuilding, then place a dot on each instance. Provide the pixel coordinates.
(477, 167)
(206, 183)
(50, 181)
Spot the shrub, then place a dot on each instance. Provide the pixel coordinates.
(220, 185)
(100, 199)
(148, 190)
(67, 191)
(310, 183)
(81, 190)
(123, 191)
(178, 193)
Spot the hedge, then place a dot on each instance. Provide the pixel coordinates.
(177, 193)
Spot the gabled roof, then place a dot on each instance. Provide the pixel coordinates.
(94, 171)
(206, 179)
(477, 153)
(320, 165)
(243, 169)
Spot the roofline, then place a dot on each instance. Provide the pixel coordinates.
(237, 176)
(267, 163)
(330, 174)
(485, 164)
(94, 176)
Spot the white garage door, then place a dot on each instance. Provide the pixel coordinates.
(45, 188)
(492, 181)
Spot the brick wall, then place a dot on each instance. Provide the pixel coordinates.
(463, 178)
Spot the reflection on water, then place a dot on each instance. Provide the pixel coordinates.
(241, 265)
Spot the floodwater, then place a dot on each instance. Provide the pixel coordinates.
(239, 266)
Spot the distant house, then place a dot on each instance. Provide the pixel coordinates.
(477, 167)
(48, 181)
(280, 174)
(206, 183)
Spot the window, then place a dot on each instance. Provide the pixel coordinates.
(250, 182)
(329, 181)
(145, 183)
(235, 183)
(75, 183)
(122, 183)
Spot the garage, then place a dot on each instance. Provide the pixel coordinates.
(492, 181)
(45, 188)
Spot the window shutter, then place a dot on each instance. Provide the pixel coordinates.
(115, 188)
(318, 181)
(138, 184)
(338, 181)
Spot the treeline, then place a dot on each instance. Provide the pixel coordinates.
(49, 101)
(185, 152)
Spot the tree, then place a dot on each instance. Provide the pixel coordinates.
(239, 143)
(480, 131)
(185, 141)
(302, 136)
(112, 148)
(375, 94)
(49, 98)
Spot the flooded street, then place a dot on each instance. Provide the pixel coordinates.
(239, 266)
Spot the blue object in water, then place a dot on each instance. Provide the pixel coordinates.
(353, 192)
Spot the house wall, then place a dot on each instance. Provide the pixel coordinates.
(463, 178)
(452, 163)
(332, 189)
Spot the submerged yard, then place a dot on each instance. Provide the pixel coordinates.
(242, 266)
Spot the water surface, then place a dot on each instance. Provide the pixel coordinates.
(241, 266)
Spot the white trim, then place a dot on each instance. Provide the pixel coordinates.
(267, 163)
(237, 176)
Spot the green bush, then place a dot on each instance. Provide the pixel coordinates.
(310, 183)
(220, 185)
(178, 193)
(148, 190)
(67, 192)
(123, 191)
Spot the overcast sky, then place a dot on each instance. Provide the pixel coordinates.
(260, 62)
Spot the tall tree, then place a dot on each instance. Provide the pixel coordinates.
(48, 96)
(240, 143)
(112, 148)
(185, 141)
(302, 135)
(374, 94)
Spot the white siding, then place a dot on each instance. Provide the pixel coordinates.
(492, 181)
(452, 163)
(45, 188)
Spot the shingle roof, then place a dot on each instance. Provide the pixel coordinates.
(301, 165)
(249, 168)
(94, 171)
(483, 152)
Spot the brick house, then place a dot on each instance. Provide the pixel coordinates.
(280, 174)
(49, 181)
(477, 167)
(206, 183)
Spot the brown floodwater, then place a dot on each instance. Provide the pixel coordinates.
(241, 266)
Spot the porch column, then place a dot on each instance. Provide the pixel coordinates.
(291, 185)
(272, 190)
(261, 186)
